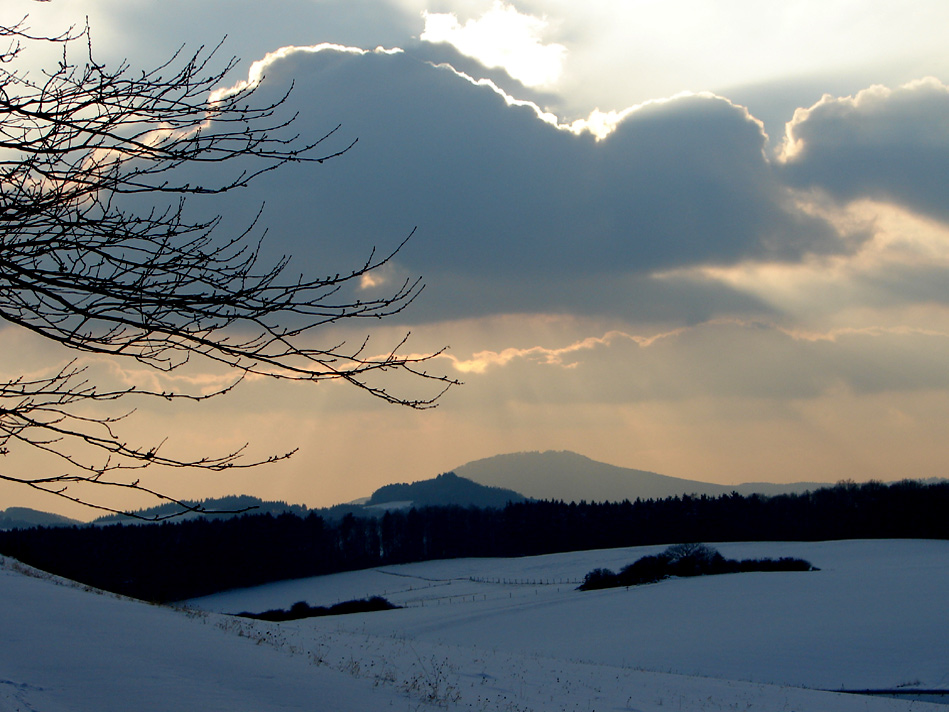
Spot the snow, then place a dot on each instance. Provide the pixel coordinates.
(501, 634)
(390, 506)
(64, 648)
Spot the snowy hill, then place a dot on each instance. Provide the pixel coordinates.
(71, 650)
(501, 634)
(874, 615)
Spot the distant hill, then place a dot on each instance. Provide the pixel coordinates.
(445, 489)
(24, 518)
(567, 476)
(220, 507)
(491, 482)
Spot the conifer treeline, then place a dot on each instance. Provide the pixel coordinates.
(178, 560)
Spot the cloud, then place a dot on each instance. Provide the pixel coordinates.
(146, 34)
(442, 53)
(889, 145)
(501, 37)
(719, 360)
(512, 205)
(566, 357)
(643, 282)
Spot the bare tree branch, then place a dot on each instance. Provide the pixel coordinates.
(80, 267)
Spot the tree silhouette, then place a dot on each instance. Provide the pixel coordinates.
(82, 148)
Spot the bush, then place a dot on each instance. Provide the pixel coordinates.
(684, 560)
(785, 563)
(648, 569)
(301, 609)
(599, 578)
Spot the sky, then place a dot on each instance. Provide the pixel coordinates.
(704, 239)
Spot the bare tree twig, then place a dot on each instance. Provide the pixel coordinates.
(79, 267)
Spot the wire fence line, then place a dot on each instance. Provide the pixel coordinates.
(525, 581)
(422, 601)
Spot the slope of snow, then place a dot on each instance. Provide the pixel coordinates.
(64, 648)
(874, 616)
(500, 634)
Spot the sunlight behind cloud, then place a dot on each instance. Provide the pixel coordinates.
(563, 357)
(903, 258)
(258, 69)
(875, 114)
(658, 282)
(502, 37)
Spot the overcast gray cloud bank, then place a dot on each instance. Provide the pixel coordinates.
(517, 213)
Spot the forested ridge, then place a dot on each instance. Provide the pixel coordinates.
(183, 559)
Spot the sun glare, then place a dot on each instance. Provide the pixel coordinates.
(504, 38)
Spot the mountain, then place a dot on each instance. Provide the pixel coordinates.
(567, 476)
(24, 518)
(445, 489)
(491, 482)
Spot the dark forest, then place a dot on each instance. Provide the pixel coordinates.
(184, 559)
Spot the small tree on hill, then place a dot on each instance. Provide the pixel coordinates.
(691, 559)
(689, 550)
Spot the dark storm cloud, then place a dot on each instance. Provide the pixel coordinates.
(882, 144)
(629, 296)
(510, 202)
(686, 183)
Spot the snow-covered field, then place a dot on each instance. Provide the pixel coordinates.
(502, 634)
